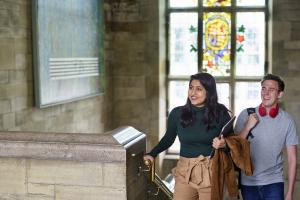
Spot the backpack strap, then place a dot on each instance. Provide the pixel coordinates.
(250, 111)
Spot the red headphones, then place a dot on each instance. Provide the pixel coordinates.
(272, 113)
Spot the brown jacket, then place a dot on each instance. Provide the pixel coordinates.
(223, 167)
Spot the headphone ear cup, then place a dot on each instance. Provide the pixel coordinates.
(262, 111)
(274, 111)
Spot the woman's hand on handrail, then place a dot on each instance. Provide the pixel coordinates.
(148, 157)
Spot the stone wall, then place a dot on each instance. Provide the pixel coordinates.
(17, 110)
(29, 179)
(286, 60)
(286, 50)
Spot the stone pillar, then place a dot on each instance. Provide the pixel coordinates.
(286, 61)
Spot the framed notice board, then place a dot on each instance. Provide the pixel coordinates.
(67, 50)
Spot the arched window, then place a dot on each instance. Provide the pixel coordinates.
(226, 38)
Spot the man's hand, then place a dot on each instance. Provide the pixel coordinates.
(252, 121)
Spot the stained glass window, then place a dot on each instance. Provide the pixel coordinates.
(216, 43)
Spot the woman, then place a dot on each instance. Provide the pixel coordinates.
(197, 124)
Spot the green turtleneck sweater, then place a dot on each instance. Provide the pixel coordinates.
(194, 139)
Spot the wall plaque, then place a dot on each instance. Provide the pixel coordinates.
(68, 50)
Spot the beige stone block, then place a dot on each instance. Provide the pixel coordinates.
(13, 197)
(1, 124)
(129, 81)
(7, 57)
(12, 176)
(293, 65)
(50, 111)
(21, 61)
(20, 17)
(84, 114)
(14, 90)
(33, 126)
(132, 109)
(278, 34)
(292, 45)
(41, 189)
(20, 32)
(38, 197)
(9, 121)
(114, 174)
(89, 122)
(22, 117)
(130, 93)
(86, 103)
(122, 66)
(18, 76)
(61, 122)
(20, 103)
(82, 126)
(97, 127)
(36, 115)
(65, 172)
(4, 17)
(59, 129)
(23, 45)
(89, 193)
(5, 32)
(3, 77)
(5, 106)
(296, 190)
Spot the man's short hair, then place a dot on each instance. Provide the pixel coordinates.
(274, 78)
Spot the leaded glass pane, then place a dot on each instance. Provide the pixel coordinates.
(178, 93)
(216, 43)
(251, 2)
(182, 4)
(216, 3)
(247, 94)
(175, 148)
(223, 94)
(183, 42)
(250, 44)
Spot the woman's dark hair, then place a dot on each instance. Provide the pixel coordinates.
(212, 108)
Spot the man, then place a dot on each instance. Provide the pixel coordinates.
(271, 129)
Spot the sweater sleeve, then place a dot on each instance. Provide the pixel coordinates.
(170, 135)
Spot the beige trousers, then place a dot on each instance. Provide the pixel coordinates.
(192, 179)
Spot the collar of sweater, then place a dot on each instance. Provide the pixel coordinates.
(197, 109)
